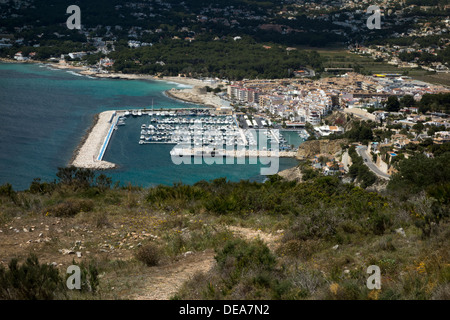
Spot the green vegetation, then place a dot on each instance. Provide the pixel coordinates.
(35, 281)
(420, 173)
(48, 49)
(29, 281)
(245, 270)
(226, 58)
(326, 234)
(439, 102)
(361, 131)
(392, 104)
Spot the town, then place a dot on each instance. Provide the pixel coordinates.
(295, 104)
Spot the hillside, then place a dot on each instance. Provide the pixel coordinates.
(309, 149)
(222, 240)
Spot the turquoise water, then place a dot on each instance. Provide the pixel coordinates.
(45, 113)
(292, 138)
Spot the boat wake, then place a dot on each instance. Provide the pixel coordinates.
(75, 73)
(80, 75)
(180, 85)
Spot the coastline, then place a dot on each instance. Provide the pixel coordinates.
(52, 64)
(132, 76)
(85, 71)
(189, 95)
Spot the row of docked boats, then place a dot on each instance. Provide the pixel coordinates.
(195, 135)
(168, 113)
(220, 120)
(198, 131)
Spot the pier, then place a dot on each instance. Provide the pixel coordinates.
(206, 152)
(113, 121)
(91, 152)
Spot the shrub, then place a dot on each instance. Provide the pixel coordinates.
(103, 182)
(238, 257)
(379, 222)
(386, 244)
(318, 224)
(30, 281)
(175, 243)
(42, 188)
(78, 178)
(7, 190)
(101, 221)
(307, 281)
(70, 207)
(178, 191)
(304, 249)
(89, 277)
(149, 254)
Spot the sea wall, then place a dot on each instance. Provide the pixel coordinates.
(87, 154)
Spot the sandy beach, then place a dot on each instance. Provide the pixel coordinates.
(86, 155)
(132, 76)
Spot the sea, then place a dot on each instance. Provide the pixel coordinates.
(46, 112)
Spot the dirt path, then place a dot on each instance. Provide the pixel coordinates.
(166, 280)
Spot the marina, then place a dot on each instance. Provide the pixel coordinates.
(192, 132)
(201, 135)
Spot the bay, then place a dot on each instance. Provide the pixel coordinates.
(44, 113)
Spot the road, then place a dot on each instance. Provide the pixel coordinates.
(361, 150)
